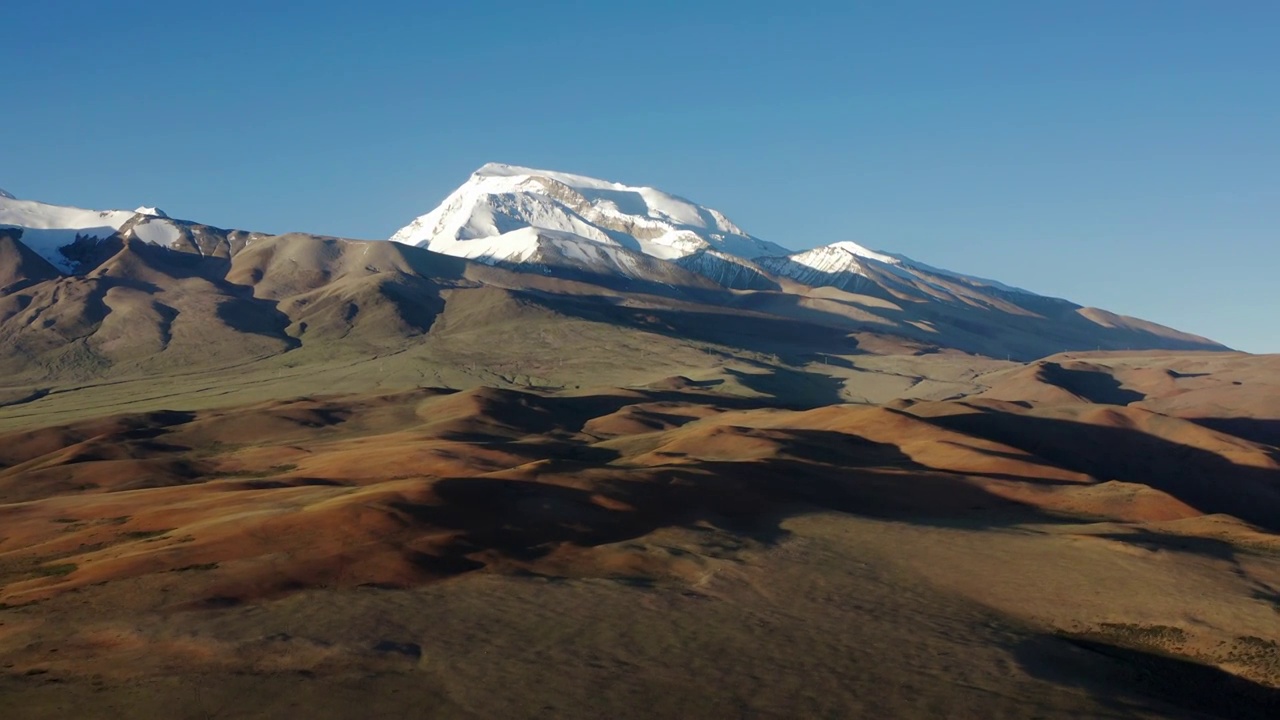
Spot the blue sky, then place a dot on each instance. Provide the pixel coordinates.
(1123, 154)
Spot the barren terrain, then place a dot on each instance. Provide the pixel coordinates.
(1088, 535)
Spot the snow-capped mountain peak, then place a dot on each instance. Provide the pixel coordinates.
(851, 266)
(514, 215)
(479, 220)
(52, 230)
(6, 195)
(855, 249)
(517, 171)
(48, 228)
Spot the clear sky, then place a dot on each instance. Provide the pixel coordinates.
(1123, 154)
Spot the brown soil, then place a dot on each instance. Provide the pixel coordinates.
(656, 551)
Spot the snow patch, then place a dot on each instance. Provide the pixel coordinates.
(157, 232)
(856, 249)
(845, 264)
(46, 228)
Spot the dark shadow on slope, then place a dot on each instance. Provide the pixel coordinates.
(417, 301)
(680, 382)
(1055, 326)
(766, 334)
(825, 359)
(793, 388)
(505, 413)
(1202, 479)
(23, 398)
(432, 265)
(684, 288)
(380, 309)
(1266, 432)
(1027, 459)
(996, 323)
(1157, 541)
(526, 520)
(1096, 386)
(743, 480)
(239, 309)
(1131, 680)
(1204, 547)
(256, 317)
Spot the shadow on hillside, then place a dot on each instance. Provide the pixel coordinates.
(238, 308)
(567, 490)
(1257, 430)
(1203, 546)
(765, 334)
(1021, 325)
(1152, 540)
(1132, 681)
(793, 388)
(1202, 479)
(1095, 386)
(557, 416)
(526, 520)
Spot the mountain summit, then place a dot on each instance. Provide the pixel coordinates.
(69, 237)
(557, 223)
(49, 228)
(553, 249)
(850, 266)
(519, 216)
(488, 219)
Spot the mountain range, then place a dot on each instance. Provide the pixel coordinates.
(95, 293)
(563, 443)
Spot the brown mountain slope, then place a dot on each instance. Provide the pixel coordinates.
(341, 298)
(1234, 392)
(336, 290)
(142, 310)
(19, 266)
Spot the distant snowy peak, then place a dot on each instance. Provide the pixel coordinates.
(616, 200)
(479, 218)
(4, 194)
(850, 266)
(514, 215)
(48, 228)
(152, 228)
(844, 265)
(52, 231)
(857, 250)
